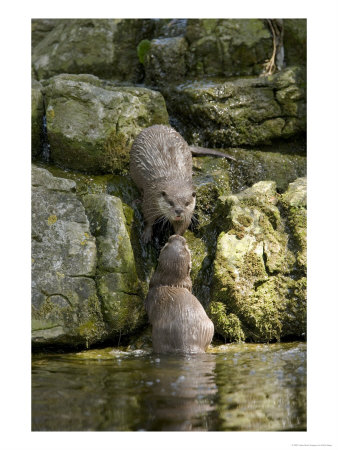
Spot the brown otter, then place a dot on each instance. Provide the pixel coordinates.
(179, 322)
(161, 167)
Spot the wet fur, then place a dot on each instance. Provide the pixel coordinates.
(161, 167)
(179, 322)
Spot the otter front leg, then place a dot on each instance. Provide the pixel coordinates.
(147, 233)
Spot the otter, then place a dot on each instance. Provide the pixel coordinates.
(161, 167)
(179, 321)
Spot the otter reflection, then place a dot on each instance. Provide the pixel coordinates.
(182, 394)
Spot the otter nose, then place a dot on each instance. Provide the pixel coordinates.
(178, 211)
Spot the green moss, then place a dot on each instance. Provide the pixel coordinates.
(142, 49)
(227, 325)
(116, 152)
(244, 220)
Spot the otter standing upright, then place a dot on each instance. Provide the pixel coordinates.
(179, 322)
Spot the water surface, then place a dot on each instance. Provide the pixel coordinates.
(244, 387)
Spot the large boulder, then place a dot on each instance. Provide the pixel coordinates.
(65, 306)
(103, 47)
(241, 112)
(76, 46)
(259, 281)
(85, 286)
(118, 285)
(91, 124)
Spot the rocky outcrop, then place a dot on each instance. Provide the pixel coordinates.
(118, 285)
(245, 111)
(259, 286)
(208, 47)
(66, 308)
(84, 283)
(91, 124)
(72, 47)
(102, 47)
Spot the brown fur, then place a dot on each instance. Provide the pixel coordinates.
(161, 167)
(179, 322)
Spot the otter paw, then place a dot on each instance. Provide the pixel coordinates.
(147, 235)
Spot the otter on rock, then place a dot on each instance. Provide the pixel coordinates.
(179, 322)
(161, 167)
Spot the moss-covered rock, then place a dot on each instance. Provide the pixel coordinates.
(65, 305)
(102, 47)
(295, 41)
(40, 28)
(37, 111)
(91, 125)
(294, 203)
(243, 111)
(227, 47)
(256, 275)
(198, 48)
(165, 61)
(118, 285)
(76, 46)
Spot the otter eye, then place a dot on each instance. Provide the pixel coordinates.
(171, 203)
(194, 194)
(163, 193)
(187, 203)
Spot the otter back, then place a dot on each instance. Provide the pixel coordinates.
(159, 152)
(179, 322)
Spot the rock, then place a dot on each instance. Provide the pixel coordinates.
(65, 306)
(295, 41)
(258, 288)
(76, 46)
(40, 28)
(294, 203)
(102, 47)
(91, 124)
(37, 112)
(227, 47)
(199, 48)
(118, 285)
(255, 165)
(165, 61)
(244, 111)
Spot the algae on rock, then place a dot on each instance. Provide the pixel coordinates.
(65, 306)
(118, 285)
(256, 276)
(244, 111)
(91, 124)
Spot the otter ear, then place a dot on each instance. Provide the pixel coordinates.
(194, 194)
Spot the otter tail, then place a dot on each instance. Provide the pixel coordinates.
(200, 151)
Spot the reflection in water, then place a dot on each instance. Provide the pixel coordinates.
(263, 388)
(240, 387)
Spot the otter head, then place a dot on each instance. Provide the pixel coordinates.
(177, 203)
(174, 264)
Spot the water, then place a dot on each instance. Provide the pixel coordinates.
(246, 387)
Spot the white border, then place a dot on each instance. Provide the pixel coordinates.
(15, 224)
